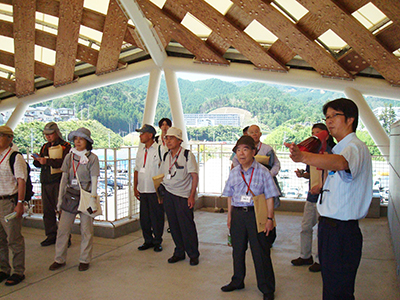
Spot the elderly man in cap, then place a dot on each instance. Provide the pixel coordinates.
(151, 211)
(180, 181)
(12, 194)
(50, 160)
(248, 179)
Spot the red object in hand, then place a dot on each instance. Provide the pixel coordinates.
(315, 143)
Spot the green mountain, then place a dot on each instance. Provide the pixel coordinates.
(120, 106)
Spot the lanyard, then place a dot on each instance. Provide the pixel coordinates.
(73, 166)
(244, 179)
(259, 147)
(176, 158)
(145, 157)
(5, 155)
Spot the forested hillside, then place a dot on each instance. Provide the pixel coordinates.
(120, 106)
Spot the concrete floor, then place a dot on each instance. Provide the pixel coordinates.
(120, 271)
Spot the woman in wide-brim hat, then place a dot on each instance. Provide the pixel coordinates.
(80, 164)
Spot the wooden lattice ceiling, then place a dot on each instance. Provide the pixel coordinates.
(297, 40)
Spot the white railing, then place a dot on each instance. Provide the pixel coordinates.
(117, 167)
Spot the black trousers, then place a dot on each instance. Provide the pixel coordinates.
(339, 249)
(151, 218)
(244, 230)
(182, 226)
(49, 203)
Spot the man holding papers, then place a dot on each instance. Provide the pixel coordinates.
(246, 181)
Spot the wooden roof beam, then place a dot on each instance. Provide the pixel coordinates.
(67, 40)
(168, 27)
(232, 34)
(7, 85)
(113, 36)
(24, 46)
(358, 37)
(294, 38)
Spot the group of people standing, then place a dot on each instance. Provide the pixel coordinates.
(340, 197)
(65, 170)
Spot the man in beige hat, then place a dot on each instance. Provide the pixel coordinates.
(180, 181)
(12, 195)
(50, 160)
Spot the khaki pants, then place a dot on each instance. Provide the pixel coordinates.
(11, 237)
(64, 230)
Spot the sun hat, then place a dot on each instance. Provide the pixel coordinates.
(6, 130)
(245, 140)
(81, 132)
(176, 132)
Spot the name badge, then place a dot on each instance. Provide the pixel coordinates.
(142, 170)
(245, 198)
(74, 181)
(168, 176)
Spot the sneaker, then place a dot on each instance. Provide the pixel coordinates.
(301, 261)
(315, 267)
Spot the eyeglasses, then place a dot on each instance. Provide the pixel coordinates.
(332, 117)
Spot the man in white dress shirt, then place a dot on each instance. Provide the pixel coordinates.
(344, 200)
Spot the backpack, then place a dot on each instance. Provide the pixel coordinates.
(186, 154)
(28, 184)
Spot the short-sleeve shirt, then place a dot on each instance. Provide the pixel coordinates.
(347, 195)
(8, 181)
(264, 149)
(261, 183)
(85, 172)
(150, 168)
(180, 183)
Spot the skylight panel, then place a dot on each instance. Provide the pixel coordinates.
(369, 15)
(159, 3)
(90, 33)
(259, 33)
(220, 5)
(97, 5)
(7, 71)
(332, 40)
(45, 55)
(291, 9)
(196, 26)
(6, 13)
(46, 23)
(6, 44)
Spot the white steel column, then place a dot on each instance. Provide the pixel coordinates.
(370, 121)
(152, 97)
(175, 103)
(17, 115)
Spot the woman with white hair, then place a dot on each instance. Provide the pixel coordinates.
(80, 170)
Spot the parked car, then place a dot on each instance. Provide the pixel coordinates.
(101, 189)
(292, 193)
(376, 194)
(110, 183)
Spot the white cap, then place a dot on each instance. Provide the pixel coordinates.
(176, 132)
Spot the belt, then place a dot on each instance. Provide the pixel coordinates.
(244, 208)
(336, 222)
(6, 197)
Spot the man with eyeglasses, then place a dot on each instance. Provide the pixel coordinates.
(345, 199)
(50, 160)
(151, 211)
(180, 181)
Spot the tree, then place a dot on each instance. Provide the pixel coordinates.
(388, 117)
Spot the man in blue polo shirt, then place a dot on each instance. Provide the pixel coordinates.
(344, 200)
